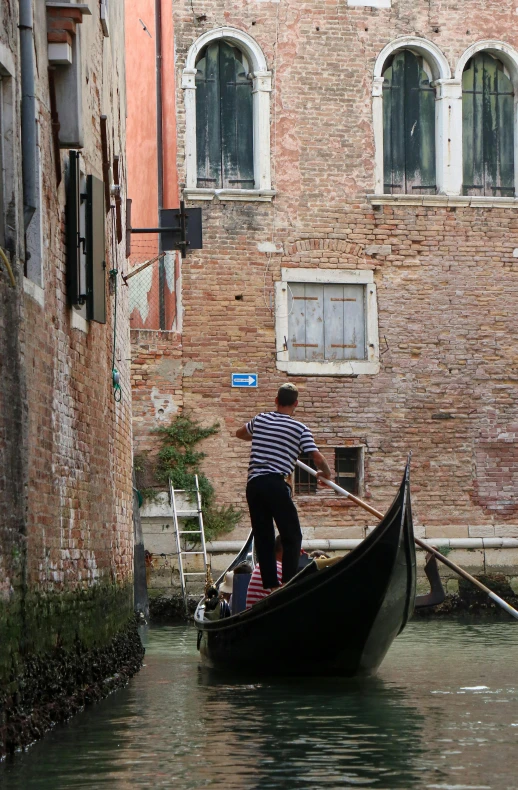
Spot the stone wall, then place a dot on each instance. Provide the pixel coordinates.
(66, 534)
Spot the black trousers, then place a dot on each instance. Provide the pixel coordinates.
(269, 499)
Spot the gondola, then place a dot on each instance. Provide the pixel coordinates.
(335, 620)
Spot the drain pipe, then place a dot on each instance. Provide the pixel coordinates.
(160, 156)
(28, 111)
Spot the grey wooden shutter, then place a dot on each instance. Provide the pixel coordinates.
(408, 127)
(208, 129)
(487, 128)
(224, 119)
(326, 322)
(73, 231)
(95, 251)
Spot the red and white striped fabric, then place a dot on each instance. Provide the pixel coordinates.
(256, 591)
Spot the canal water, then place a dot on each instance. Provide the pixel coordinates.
(441, 714)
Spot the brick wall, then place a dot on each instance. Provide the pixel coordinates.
(66, 532)
(445, 278)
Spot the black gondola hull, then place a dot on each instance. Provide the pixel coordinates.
(340, 620)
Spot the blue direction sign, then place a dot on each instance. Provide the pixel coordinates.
(244, 379)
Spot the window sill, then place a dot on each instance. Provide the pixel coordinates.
(242, 195)
(78, 322)
(462, 201)
(351, 367)
(33, 290)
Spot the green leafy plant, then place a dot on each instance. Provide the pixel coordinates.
(179, 461)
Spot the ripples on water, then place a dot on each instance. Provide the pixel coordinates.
(442, 714)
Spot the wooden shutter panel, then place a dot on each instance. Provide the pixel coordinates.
(408, 127)
(236, 120)
(208, 119)
(306, 322)
(73, 231)
(95, 251)
(344, 322)
(487, 128)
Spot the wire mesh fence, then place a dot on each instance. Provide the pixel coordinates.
(151, 281)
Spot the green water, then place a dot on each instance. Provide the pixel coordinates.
(442, 713)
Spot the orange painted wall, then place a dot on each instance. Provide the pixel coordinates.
(141, 102)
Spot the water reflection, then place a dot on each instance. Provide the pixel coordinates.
(442, 713)
(314, 733)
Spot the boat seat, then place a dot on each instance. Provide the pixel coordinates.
(327, 562)
(239, 591)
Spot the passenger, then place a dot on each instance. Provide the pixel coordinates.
(225, 588)
(256, 591)
(277, 441)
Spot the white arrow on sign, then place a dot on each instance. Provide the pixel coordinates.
(244, 380)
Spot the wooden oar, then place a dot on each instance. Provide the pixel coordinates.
(456, 568)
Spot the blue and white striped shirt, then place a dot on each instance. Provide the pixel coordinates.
(277, 442)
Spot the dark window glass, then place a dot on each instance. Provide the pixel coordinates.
(408, 127)
(487, 128)
(304, 482)
(347, 468)
(224, 128)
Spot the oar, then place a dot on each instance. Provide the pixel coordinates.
(456, 568)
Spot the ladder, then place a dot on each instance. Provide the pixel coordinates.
(194, 512)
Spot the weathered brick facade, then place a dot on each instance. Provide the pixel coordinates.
(444, 269)
(66, 532)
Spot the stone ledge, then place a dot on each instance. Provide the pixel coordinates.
(240, 195)
(462, 201)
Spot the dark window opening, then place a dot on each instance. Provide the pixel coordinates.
(303, 481)
(487, 128)
(348, 468)
(408, 126)
(224, 119)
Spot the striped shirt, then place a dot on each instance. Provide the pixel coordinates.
(277, 442)
(256, 591)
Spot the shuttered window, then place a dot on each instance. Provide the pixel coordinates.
(487, 128)
(408, 127)
(224, 116)
(326, 322)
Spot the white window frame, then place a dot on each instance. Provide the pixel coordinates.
(261, 89)
(346, 367)
(7, 137)
(448, 123)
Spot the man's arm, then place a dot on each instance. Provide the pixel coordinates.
(321, 464)
(242, 433)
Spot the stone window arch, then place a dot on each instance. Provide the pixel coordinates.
(408, 134)
(488, 72)
(227, 89)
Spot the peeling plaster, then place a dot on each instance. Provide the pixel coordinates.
(164, 405)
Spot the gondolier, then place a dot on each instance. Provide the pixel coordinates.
(277, 441)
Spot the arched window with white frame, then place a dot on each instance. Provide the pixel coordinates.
(227, 118)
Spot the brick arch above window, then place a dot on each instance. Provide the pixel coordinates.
(261, 89)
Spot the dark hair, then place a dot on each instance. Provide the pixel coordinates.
(287, 395)
(278, 544)
(243, 567)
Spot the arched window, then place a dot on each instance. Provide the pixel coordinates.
(224, 118)
(408, 125)
(487, 128)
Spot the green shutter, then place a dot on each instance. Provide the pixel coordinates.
(95, 251)
(224, 119)
(208, 128)
(73, 231)
(408, 127)
(487, 128)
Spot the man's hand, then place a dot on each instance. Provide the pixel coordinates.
(321, 464)
(242, 433)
